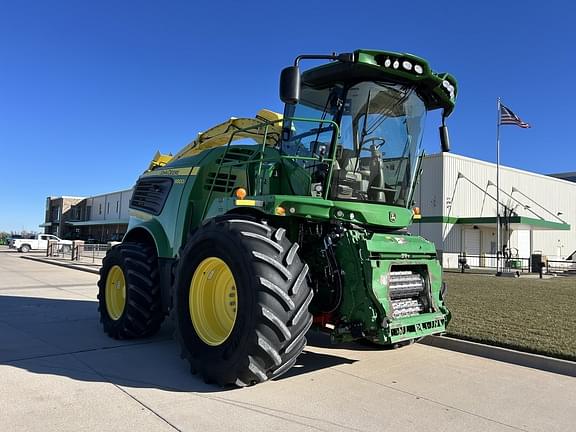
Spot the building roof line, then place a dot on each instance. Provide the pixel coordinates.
(110, 193)
(505, 167)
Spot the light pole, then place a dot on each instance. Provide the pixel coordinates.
(498, 239)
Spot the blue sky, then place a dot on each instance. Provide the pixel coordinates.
(90, 90)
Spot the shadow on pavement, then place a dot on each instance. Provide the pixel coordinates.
(63, 337)
(321, 340)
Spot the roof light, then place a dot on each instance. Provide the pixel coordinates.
(387, 63)
(449, 88)
(396, 64)
(418, 69)
(407, 65)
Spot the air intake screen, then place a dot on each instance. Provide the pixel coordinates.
(150, 194)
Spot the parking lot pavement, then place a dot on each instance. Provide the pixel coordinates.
(59, 372)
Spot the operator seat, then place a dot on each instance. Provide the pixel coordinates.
(347, 165)
(350, 180)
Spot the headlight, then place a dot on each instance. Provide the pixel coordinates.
(449, 88)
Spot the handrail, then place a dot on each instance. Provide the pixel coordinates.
(266, 124)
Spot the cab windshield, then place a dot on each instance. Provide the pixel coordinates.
(381, 126)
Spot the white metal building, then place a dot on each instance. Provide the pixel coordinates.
(457, 198)
(101, 217)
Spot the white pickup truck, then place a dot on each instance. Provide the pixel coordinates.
(40, 243)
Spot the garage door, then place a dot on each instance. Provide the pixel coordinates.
(472, 246)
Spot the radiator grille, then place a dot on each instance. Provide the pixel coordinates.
(150, 194)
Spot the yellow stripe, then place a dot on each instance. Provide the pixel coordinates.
(169, 172)
(245, 202)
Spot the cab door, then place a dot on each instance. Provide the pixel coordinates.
(43, 241)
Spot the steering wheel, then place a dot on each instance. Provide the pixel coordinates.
(374, 139)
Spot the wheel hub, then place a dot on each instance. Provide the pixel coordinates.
(115, 292)
(213, 301)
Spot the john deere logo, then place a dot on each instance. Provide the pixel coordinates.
(392, 216)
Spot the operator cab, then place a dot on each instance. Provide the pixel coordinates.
(376, 149)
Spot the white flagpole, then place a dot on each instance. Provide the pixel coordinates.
(498, 239)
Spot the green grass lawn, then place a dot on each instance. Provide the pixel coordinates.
(534, 315)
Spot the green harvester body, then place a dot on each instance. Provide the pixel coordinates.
(350, 224)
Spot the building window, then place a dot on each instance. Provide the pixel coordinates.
(108, 208)
(100, 208)
(117, 206)
(55, 214)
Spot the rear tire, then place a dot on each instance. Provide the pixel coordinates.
(138, 312)
(271, 295)
(24, 248)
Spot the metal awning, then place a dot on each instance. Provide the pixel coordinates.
(514, 222)
(98, 222)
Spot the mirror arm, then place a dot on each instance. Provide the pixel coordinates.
(444, 137)
(344, 57)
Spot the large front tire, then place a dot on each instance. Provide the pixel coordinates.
(241, 302)
(129, 292)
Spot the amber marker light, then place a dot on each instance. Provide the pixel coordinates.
(240, 193)
(280, 211)
(416, 213)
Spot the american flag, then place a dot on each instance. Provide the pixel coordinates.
(507, 117)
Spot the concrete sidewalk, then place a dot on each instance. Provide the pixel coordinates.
(59, 372)
(62, 262)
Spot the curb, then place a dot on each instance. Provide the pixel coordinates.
(506, 355)
(62, 264)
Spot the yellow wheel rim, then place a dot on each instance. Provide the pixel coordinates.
(213, 301)
(115, 292)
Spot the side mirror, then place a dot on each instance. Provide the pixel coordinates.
(290, 85)
(444, 138)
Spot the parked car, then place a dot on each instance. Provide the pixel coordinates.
(40, 243)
